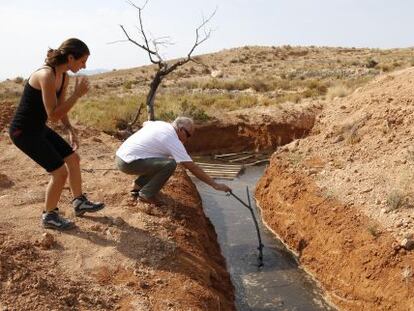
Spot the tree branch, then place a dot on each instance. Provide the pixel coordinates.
(135, 42)
(144, 46)
(206, 34)
(164, 68)
(130, 124)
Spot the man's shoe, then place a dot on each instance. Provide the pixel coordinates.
(82, 205)
(135, 193)
(53, 220)
(153, 200)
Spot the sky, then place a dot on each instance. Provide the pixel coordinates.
(29, 27)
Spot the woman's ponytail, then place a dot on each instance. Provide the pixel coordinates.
(72, 46)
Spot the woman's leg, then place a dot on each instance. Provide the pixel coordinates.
(55, 187)
(80, 202)
(41, 147)
(75, 179)
(51, 219)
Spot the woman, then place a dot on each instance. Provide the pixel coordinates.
(44, 98)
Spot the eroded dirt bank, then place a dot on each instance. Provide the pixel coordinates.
(127, 257)
(260, 129)
(358, 270)
(342, 197)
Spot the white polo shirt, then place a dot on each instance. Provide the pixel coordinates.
(157, 139)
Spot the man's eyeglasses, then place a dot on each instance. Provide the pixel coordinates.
(187, 133)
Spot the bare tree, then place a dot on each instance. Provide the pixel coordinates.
(164, 68)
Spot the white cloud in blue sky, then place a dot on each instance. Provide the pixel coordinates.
(29, 27)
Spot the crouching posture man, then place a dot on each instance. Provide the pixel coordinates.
(153, 153)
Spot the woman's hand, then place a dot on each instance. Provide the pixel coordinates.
(73, 138)
(81, 86)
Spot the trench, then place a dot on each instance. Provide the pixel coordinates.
(280, 284)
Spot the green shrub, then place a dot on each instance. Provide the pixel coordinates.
(371, 63)
(18, 80)
(318, 88)
(190, 110)
(374, 231)
(260, 86)
(128, 85)
(167, 115)
(395, 199)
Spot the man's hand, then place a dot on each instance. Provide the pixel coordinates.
(222, 187)
(203, 176)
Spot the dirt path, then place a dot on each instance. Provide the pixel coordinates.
(127, 257)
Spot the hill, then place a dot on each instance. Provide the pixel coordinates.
(347, 189)
(250, 76)
(339, 193)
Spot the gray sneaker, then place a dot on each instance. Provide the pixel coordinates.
(82, 205)
(53, 220)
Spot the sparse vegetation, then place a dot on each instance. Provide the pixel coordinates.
(371, 63)
(103, 114)
(185, 109)
(338, 90)
(407, 274)
(353, 137)
(374, 231)
(395, 199)
(128, 85)
(250, 76)
(18, 80)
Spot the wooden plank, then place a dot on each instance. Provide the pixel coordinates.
(257, 162)
(236, 169)
(226, 155)
(220, 171)
(218, 177)
(217, 164)
(242, 158)
(221, 174)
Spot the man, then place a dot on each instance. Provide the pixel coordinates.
(153, 153)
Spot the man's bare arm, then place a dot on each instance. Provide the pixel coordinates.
(204, 177)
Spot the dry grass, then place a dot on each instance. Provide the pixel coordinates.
(374, 231)
(104, 114)
(407, 274)
(395, 199)
(338, 90)
(251, 76)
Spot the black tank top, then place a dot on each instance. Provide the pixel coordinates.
(31, 113)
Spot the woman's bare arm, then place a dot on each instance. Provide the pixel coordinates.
(57, 110)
